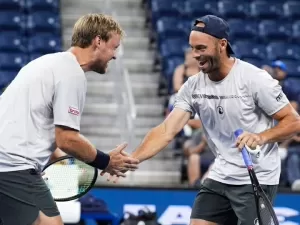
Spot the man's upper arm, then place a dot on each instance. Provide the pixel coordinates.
(268, 94)
(184, 99)
(176, 120)
(68, 103)
(286, 111)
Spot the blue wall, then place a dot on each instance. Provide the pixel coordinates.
(173, 206)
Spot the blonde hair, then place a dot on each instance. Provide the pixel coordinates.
(92, 25)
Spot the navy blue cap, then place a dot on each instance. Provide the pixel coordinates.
(214, 26)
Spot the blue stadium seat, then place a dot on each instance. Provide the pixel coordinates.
(242, 29)
(247, 49)
(44, 43)
(12, 21)
(170, 64)
(6, 76)
(12, 5)
(33, 56)
(238, 10)
(291, 87)
(42, 5)
(296, 31)
(283, 50)
(166, 8)
(169, 27)
(292, 9)
(173, 47)
(44, 22)
(12, 61)
(264, 10)
(275, 30)
(198, 8)
(12, 42)
(293, 67)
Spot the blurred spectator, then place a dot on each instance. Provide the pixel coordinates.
(199, 158)
(182, 72)
(279, 70)
(289, 151)
(268, 68)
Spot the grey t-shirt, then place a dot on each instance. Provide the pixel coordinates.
(46, 92)
(245, 99)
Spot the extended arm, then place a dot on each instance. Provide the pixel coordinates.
(159, 137)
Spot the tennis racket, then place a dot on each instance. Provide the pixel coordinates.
(69, 178)
(265, 212)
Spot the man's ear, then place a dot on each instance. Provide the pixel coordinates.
(98, 41)
(223, 44)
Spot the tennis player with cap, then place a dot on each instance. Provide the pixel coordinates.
(41, 110)
(228, 94)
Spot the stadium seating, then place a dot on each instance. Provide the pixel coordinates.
(12, 5)
(28, 29)
(13, 42)
(44, 43)
(260, 30)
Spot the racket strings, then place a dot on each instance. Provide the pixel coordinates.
(265, 213)
(68, 177)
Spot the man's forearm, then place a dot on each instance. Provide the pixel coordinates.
(284, 130)
(79, 147)
(155, 141)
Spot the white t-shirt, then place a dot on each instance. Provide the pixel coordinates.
(46, 92)
(245, 99)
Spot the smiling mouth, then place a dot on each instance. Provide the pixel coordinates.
(201, 63)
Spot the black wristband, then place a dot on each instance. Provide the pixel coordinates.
(101, 161)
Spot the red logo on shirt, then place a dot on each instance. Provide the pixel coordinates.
(73, 111)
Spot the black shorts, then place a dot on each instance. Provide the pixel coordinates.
(22, 195)
(228, 204)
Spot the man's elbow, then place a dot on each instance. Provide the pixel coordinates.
(167, 134)
(64, 137)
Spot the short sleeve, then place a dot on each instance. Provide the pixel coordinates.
(69, 99)
(183, 99)
(267, 93)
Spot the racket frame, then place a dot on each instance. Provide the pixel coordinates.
(257, 189)
(82, 193)
(259, 192)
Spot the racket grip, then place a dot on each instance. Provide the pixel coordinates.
(245, 154)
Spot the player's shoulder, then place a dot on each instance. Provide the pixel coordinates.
(250, 71)
(57, 59)
(193, 80)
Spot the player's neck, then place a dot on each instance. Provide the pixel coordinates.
(225, 67)
(83, 56)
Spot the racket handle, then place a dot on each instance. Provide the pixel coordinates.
(245, 154)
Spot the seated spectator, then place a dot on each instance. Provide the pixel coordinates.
(291, 159)
(199, 157)
(182, 72)
(268, 68)
(279, 70)
(189, 68)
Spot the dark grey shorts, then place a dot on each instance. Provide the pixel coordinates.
(22, 195)
(228, 204)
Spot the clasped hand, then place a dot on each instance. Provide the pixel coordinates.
(120, 162)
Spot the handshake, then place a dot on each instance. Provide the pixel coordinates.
(120, 162)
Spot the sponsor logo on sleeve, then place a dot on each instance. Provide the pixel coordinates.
(74, 111)
(279, 97)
